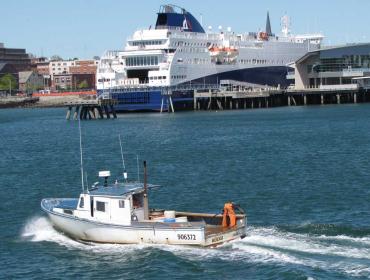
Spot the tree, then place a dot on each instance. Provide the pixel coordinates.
(8, 82)
(96, 57)
(56, 57)
(83, 84)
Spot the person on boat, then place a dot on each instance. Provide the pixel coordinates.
(229, 217)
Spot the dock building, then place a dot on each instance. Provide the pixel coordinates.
(340, 67)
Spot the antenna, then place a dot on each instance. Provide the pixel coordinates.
(86, 182)
(81, 158)
(146, 204)
(123, 160)
(138, 168)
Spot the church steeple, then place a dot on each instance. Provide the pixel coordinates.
(268, 25)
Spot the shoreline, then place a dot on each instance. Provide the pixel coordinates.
(40, 101)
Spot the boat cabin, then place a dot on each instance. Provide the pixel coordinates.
(119, 203)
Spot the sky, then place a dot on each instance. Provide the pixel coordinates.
(86, 28)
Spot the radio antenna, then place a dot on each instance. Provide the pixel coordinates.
(138, 168)
(123, 160)
(81, 157)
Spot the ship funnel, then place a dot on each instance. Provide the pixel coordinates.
(268, 25)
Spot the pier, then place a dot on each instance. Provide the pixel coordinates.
(91, 109)
(274, 97)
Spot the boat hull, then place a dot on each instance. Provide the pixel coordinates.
(142, 232)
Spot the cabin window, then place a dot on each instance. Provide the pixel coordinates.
(121, 204)
(67, 211)
(100, 206)
(82, 202)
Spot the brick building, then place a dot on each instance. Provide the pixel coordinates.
(69, 74)
(74, 81)
(84, 67)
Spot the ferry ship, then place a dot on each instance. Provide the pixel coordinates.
(162, 66)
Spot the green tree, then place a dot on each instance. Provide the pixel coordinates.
(83, 84)
(56, 57)
(8, 82)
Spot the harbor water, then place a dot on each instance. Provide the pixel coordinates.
(301, 173)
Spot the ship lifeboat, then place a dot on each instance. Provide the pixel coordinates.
(263, 36)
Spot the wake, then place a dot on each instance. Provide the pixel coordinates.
(263, 245)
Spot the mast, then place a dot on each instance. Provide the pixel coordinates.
(123, 160)
(146, 203)
(81, 158)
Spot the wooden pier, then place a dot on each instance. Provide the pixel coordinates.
(274, 97)
(91, 109)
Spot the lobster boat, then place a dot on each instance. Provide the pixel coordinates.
(119, 213)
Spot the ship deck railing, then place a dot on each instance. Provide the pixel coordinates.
(164, 88)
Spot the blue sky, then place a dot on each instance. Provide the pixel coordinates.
(84, 28)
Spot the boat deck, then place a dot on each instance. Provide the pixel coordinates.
(211, 229)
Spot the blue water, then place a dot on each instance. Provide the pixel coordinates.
(301, 173)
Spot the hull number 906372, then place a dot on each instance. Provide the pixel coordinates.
(186, 236)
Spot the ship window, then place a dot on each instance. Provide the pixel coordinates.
(121, 204)
(100, 206)
(82, 202)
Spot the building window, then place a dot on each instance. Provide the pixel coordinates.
(121, 204)
(100, 206)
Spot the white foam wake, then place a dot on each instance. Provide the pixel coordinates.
(39, 229)
(262, 245)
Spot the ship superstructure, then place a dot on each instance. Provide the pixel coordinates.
(179, 53)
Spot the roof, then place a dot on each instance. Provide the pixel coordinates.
(327, 52)
(120, 189)
(2, 65)
(24, 76)
(7, 68)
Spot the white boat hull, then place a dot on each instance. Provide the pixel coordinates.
(143, 232)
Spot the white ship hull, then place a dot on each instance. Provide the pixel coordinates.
(178, 52)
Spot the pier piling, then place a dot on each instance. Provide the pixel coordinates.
(69, 112)
(91, 109)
